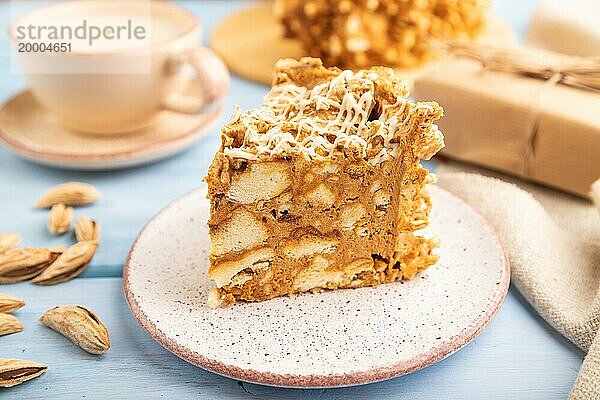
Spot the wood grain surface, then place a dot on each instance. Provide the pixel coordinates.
(518, 356)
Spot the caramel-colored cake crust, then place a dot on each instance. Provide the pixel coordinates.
(321, 188)
(361, 33)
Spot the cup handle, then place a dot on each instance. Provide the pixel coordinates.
(210, 82)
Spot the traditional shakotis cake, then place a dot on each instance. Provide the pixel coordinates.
(361, 33)
(321, 187)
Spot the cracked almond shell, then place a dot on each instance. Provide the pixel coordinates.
(80, 325)
(69, 264)
(18, 265)
(14, 372)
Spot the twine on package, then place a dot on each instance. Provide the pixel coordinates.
(578, 72)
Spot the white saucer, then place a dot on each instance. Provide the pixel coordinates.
(32, 132)
(337, 338)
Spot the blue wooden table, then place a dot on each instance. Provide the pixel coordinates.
(518, 356)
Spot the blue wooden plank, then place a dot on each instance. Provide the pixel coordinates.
(518, 356)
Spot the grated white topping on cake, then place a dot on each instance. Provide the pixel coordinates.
(334, 117)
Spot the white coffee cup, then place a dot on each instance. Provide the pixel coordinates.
(112, 86)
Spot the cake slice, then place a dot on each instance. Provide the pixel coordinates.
(321, 187)
(360, 33)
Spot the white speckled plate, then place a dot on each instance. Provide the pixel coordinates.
(338, 338)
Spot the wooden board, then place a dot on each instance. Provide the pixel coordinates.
(250, 41)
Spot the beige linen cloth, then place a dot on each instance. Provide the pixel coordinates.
(553, 243)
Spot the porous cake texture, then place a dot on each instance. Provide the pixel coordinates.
(361, 33)
(321, 187)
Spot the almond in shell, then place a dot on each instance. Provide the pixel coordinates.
(86, 229)
(59, 219)
(10, 304)
(21, 264)
(69, 264)
(9, 324)
(71, 193)
(14, 371)
(80, 325)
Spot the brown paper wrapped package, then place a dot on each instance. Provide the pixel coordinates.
(491, 117)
